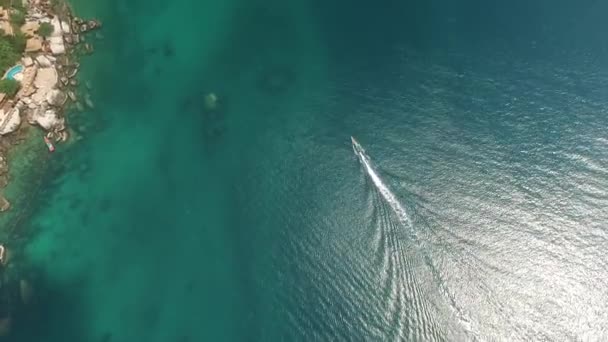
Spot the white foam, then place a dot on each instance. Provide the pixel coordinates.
(390, 198)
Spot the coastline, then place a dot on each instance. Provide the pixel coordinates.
(46, 73)
(33, 117)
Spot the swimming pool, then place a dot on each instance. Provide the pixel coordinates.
(14, 71)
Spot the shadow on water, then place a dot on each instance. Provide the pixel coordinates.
(55, 314)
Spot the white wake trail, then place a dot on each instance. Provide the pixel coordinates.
(390, 198)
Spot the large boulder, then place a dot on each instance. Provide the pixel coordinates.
(65, 27)
(9, 122)
(27, 61)
(56, 97)
(43, 61)
(56, 45)
(47, 119)
(57, 29)
(46, 78)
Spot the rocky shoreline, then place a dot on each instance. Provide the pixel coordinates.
(46, 73)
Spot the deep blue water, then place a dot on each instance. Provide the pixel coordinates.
(482, 214)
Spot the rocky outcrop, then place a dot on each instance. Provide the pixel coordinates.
(56, 45)
(27, 61)
(10, 121)
(46, 78)
(79, 25)
(56, 97)
(44, 61)
(47, 119)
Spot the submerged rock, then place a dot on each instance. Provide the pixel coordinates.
(4, 204)
(6, 324)
(3, 166)
(25, 291)
(89, 102)
(277, 79)
(88, 48)
(62, 136)
(73, 72)
(210, 101)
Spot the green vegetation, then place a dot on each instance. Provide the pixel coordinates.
(18, 41)
(17, 18)
(9, 87)
(11, 50)
(45, 30)
(8, 54)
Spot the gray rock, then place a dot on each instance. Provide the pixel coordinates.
(27, 61)
(48, 119)
(73, 72)
(56, 97)
(43, 61)
(11, 122)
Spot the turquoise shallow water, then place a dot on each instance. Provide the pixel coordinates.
(256, 222)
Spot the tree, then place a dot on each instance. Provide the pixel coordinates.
(17, 18)
(9, 87)
(18, 42)
(8, 54)
(45, 30)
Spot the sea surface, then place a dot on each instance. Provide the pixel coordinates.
(479, 210)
